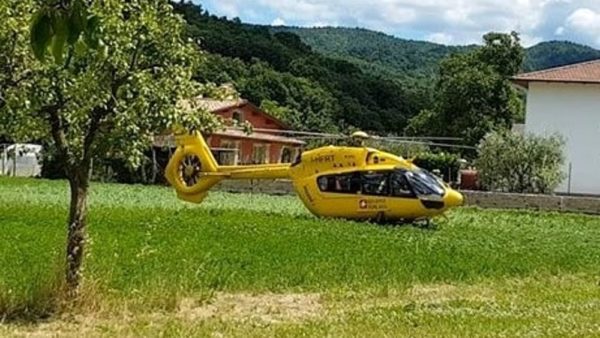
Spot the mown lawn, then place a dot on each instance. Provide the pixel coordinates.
(256, 265)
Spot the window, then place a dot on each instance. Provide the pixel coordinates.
(237, 116)
(226, 156)
(342, 184)
(287, 155)
(260, 154)
(399, 185)
(424, 183)
(229, 144)
(375, 183)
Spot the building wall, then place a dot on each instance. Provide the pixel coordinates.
(572, 110)
(256, 118)
(246, 146)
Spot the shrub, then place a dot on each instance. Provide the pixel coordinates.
(513, 162)
(447, 164)
(404, 149)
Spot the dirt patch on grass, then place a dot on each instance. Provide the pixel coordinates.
(267, 308)
(441, 293)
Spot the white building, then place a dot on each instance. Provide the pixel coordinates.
(20, 160)
(566, 100)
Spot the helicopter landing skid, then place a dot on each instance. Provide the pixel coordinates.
(425, 223)
(422, 223)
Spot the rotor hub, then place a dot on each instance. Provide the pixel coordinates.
(190, 169)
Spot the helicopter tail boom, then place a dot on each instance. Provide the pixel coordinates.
(193, 170)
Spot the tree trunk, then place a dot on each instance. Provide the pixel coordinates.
(154, 166)
(76, 237)
(14, 171)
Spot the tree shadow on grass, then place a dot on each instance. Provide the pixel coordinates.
(29, 309)
(426, 224)
(33, 300)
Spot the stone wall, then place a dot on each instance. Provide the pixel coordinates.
(484, 199)
(581, 204)
(271, 187)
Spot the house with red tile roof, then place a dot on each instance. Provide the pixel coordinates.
(264, 145)
(566, 100)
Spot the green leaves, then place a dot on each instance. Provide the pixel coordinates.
(521, 163)
(91, 34)
(54, 28)
(473, 93)
(76, 22)
(60, 30)
(41, 33)
(128, 69)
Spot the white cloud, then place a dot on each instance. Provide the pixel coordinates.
(441, 38)
(228, 8)
(530, 40)
(321, 24)
(278, 22)
(585, 22)
(463, 20)
(559, 31)
(395, 13)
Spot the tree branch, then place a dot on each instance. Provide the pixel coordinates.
(57, 129)
(100, 113)
(97, 115)
(135, 55)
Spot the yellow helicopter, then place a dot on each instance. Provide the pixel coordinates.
(345, 182)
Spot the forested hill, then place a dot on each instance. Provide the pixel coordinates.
(305, 88)
(418, 58)
(558, 53)
(334, 78)
(384, 53)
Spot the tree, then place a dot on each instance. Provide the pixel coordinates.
(101, 100)
(299, 102)
(473, 92)
(513, 162)
(15, 60)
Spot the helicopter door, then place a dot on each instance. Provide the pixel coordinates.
(404, 203)
(338, 194)
(373, 200)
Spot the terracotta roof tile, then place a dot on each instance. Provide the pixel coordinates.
(585, 72)
(213, 105)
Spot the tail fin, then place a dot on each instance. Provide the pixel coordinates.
(192, 170)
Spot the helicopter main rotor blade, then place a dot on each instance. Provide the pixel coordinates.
(422, 140)
(340, 135)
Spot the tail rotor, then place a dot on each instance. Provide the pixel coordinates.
(192, 170)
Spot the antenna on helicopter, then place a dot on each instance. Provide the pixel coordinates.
(358, 138)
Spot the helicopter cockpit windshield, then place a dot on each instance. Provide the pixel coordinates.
(425, 185)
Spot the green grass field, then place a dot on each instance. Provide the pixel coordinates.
(256, 265)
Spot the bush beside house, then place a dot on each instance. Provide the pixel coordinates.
(512, 162)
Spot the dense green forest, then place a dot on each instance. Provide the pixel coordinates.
(419, 59)
(376, 51)
(557, 53)
(305, 88)
(331, 79)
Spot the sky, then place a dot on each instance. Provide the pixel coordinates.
(443, 21)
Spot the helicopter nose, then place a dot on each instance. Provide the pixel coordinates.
(453, 198)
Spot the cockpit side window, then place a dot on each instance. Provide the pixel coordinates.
(425, 184)
(399, 185)
(342, 183)
(375, 183)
